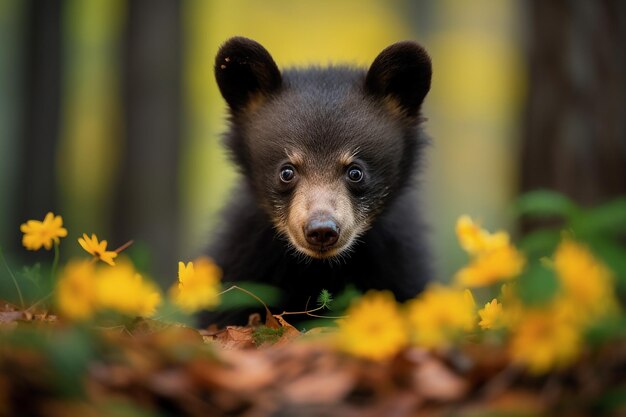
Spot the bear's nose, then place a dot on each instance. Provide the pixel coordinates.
(321, 231)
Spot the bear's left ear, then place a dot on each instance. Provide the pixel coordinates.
(401, 72)
(244, 68)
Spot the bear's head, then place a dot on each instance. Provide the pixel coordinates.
(324, 150)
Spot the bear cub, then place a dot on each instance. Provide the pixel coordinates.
(327, 159)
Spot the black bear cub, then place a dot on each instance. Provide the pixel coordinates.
(327, 157)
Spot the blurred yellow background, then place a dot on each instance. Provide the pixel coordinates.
(87, 68)
(477, 87)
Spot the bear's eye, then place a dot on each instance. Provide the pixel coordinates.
(355, 173)
(287, 173)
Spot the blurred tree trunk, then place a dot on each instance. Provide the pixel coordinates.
(575, 137)
(12, 29)
(40, 117)
(147, 201)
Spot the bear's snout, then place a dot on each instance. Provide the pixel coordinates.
(320, 220)
(321, 230)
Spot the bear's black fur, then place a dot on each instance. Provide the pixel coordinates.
(327, 157)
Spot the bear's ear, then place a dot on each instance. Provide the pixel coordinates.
(401, 72)
(244, 68)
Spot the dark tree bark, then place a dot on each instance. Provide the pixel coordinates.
(147, 200)
(37, 177)
(575, 136)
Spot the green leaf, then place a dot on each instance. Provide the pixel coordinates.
(540, 243)
(238, 299)
(139, 253)
(612, 400)
(607, 329)
(344, 299)
(340, 305)
(312, 323)
(169, 312)
(34, 282)
(608, 219)
(537, 285)
(545, 203)
(70, 352)
(614, 255)
(32, 273)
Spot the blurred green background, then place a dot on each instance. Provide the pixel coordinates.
(110, 115)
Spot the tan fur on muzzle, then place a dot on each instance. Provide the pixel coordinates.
(314, 199)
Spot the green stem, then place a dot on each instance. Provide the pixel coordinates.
(41, 300)
(55, 263)
(310, 312)
(17, 286)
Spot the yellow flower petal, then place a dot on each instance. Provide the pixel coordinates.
(76, 291)
(44, 233)
(123, 290)
(545, 339)
(491, 266)
(198, 285)
(440, 315)
(491, 316)
(584, 280)
(469, 234)
(97, 249)
(374, 328)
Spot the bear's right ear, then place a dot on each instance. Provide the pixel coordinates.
(401, 72)
(244, 68)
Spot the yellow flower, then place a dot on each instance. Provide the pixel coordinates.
(198, 285)
(123, 290)
(512, 307)
(475, 240)
(545, 339)
(502, 263)
(491, 316)
(494, 257)
(374, 328)
(440, 315)
(585, 282)
(83, 289)
(97, 249)
(38, 234)
(76, 291)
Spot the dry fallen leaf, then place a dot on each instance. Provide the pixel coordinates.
(434, 381)
(519, 401)
(289, 333)
(7, 317)
(153, 365)
(239, 371)
(319, 388)
(235, 337)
